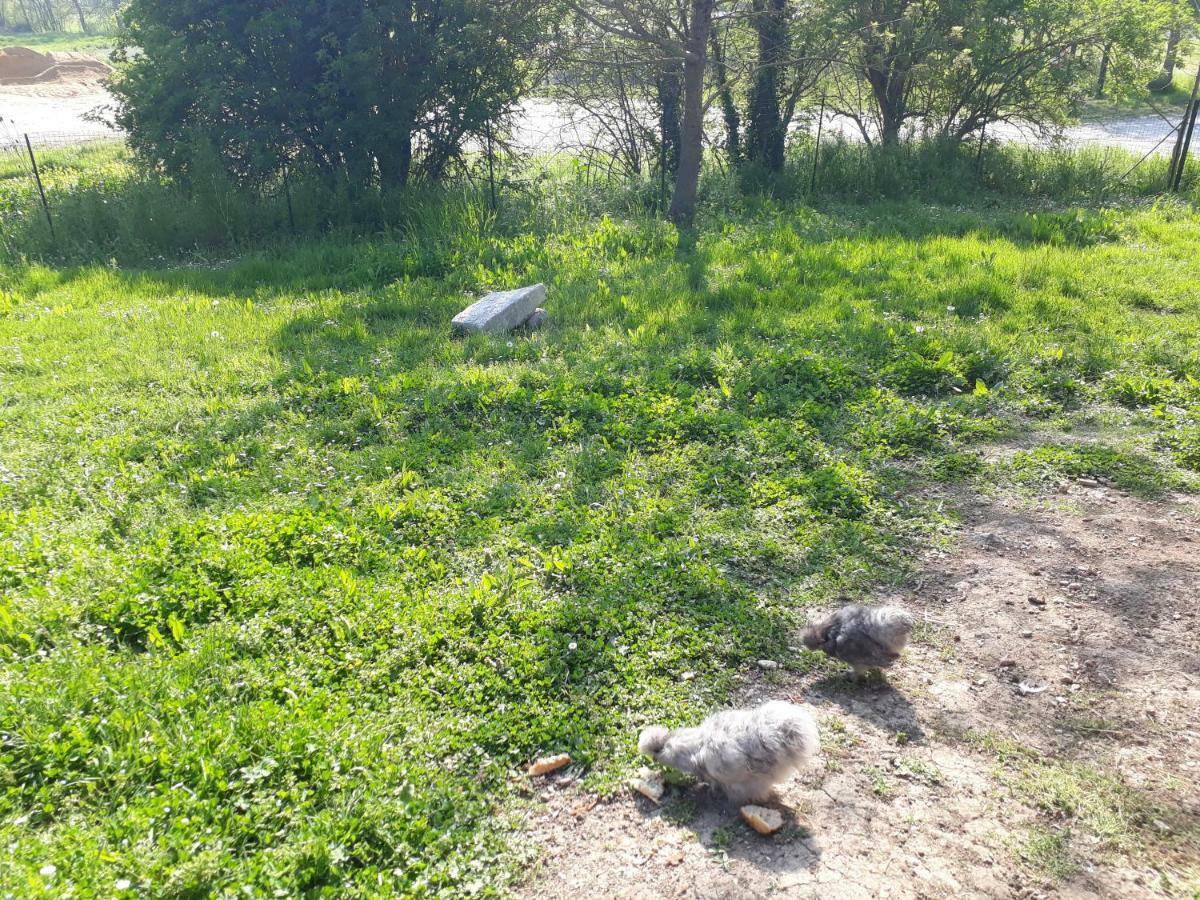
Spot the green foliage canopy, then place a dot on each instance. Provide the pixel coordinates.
(374, 91)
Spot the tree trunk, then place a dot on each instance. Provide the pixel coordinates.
(1172, 56)
(79, 12)
(405, 166)
(25, 14)
(395, 165)
(1102, 78)
(766, 135)
(669, 87)
(47, 16)
(888, 89)
(691, 151)
(729, 110)
(887, 71)
(1165, 78)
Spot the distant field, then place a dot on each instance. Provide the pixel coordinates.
(60, 40)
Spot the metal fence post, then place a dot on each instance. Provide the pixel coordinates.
(287, 190)
(662, 173)
(37, 176)
(1178, 160)
(491, 170)
(1181, 165)
(812, 183)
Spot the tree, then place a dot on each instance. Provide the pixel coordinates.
(955, 66)
(793, 48)
(729, 109)
(372, 91)
(1181, 18)
(679, 34)
(691, 151)
(57, 15)
(892, 42)
(668, 85)
(766, 131)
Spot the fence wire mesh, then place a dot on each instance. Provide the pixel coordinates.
(36, 165)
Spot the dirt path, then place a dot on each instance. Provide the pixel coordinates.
(51, 97)
(1041, 738)
(60, 111)
(52, 115)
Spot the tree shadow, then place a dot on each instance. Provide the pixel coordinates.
(688, 252)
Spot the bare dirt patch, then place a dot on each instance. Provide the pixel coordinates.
(1041, 738)
(53, 97)
(20, 65)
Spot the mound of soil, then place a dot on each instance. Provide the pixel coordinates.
(21, 62)
(20, 65)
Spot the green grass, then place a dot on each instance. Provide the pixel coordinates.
(292, 582)
(106, 208)
(1102, 813)
(1089, 814)
(1049, 852)
(60, 41)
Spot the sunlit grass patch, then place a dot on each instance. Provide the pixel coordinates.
(281, 556)
(1088, 811)
(1127, 470)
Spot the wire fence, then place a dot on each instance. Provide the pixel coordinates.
(547, 126)
(35, 166)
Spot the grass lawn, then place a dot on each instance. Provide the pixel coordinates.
(292, 583)
(60, 41)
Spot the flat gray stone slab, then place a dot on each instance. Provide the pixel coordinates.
(500, 311)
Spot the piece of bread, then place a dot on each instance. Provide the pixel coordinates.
(762, 819)
(649, 784)
(548, 764)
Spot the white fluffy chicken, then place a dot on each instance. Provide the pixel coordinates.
(865, 637)
(744, 752)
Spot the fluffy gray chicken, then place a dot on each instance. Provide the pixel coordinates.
(745, 752)
(866, 637)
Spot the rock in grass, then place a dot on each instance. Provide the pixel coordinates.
(649, 784)
(548, 764)
(500, 311)
(762, 819)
